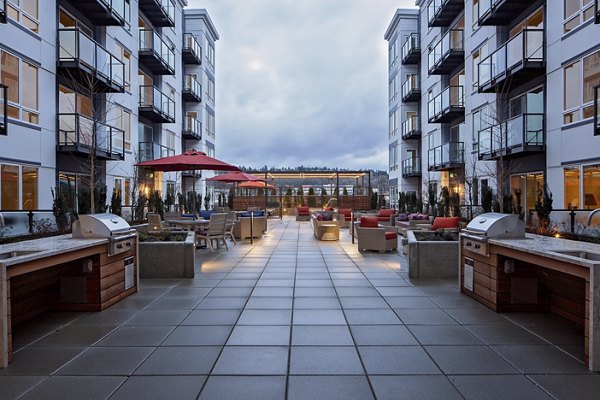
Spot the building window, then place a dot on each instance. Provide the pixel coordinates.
(572, 183)
(576, 12)
(210, 53)
(26, 12)
(393, 53)
(18, 187)
(123, 122)
(127, 197)
(481, 120)
(478, 55)
(582, 193)
(125, 56)
(394, 123)
(210, 92)
(393, 89)
(525, 190)
(580, 78)
(210, 151)
(591, 186)
(210, 124)
(170, 140)
(22, 81)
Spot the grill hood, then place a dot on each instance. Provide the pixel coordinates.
(497, 225)
(100, 226)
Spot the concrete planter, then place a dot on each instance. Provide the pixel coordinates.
(432, 259)
(167, 260)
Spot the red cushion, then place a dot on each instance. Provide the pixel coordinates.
(345, 211)
(445, 222)
(369, 222)
(391, 235)
(385, 219)
(303, 209)
(386, 212)
(328, 208)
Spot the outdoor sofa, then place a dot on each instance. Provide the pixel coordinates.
(371, 235)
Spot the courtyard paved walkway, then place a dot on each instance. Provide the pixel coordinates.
(291, 317)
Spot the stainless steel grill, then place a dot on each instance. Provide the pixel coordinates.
(491, 226)
(121, 237)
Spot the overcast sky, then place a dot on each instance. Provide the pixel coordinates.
(302, 81)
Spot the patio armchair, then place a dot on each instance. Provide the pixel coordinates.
(345, 217)
(215, 231)
(445, 223)
(302, 213)
(386, 216)
(371, 235)
(229, 224)
(157, 225)
(241, 228)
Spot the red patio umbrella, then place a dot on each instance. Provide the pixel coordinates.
(233, 177)
(255, 185)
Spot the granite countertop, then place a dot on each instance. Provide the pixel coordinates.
(46, 247)
(546, 246)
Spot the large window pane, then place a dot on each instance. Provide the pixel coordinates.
(571, 178)
(591, 186)
(30, 86)
(572, 85)
(10, 75)
(30, 7)
(9, 181)
(591, 75)
(29, 179)
(571, 7)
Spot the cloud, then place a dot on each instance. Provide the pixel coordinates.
(302, 82)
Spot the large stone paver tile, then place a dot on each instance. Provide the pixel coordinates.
(319, 317)
(424, 317)
(443, 335)
(83, 336)
(180, 361)
(75, 387)
(269, 303)
(265, 317)
(372, 317)
(329, 387)
(474, 360)
(397, 360)
(212, 317)
(325, 361)
(222, 303)
(137, 336)
(314, 292)
(570, 387)
(513, 387)
(327, 335)
(198, 336)
(504, 334)
(244, 388)
(175, 303)
(426, 387)
(382, 335)
(36, 361)
(541, 360)
(160, 387)
(350, 303)
(14, 386)
(259, 335)
(252, 360)
(107, 361)
(315, 303)
(158, 317)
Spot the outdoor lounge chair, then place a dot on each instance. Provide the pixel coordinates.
(372, 236)
(214, 231)
(345, 217)
(302, 213)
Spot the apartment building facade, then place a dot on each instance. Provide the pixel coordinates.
(507, 95)
(91, 87)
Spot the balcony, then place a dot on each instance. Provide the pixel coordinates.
(191, 51)
(411, 88)
(153, 151)
(156, 106)
(596, 110)
(516, 62)
(443, 12)
(3, 110)
(159, 12)
(411, 50)
(411, 128)
(192, 90)
(3, 19)
(518, 136)
(500, 12)
(155, 53)
(411, 167)
(78, 134)
(192, 174)
(447, 106)
(448, 54)
(85, 62)
(447, 156)
(104, 12)
(192, 128)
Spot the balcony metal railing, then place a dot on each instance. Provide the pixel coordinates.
(443, 12)
(192, 128)
(3, 109)
(411, 88)
(156, 105)
(3, 18)
(105, 12)
(597, 110)
(78, 133)
(156, 53)
(192, 52)
(520, 59)
(81, 57)
(520, 134)
(447, 156)
(411, 167)
(411, 128)
(499, 12)
(159, 12)
(448, 53)
(153, 151)
(192, 90)
(411, 49)
(448, 105)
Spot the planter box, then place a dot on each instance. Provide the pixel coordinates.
(432, 259)
(167, 260)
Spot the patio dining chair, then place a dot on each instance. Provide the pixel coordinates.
(156, 224)
(229, 224)
(214, 231)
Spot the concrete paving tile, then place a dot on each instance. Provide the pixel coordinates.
(107, 361)
(382, 335)
(319, 317)
(273, 292)
(329, 387)
(260, 335)
(230, 292)
(487, 387)
(222, 303)
(410, 302)
(133, 336)
(426, 387)
(443, 335)
(39, 361)
(14, 386)
(252, 360)
(504, 334)
(349, 303)
(244, 388)
(212, 317)
(424, 316)
(198, 336)
(569, 387)
(326, 335)
(158, 317)
(265, 317)
(76, 336)
(315, 292)
(325, 361)
(75, 387)
(469, 360)
(269, 303)
(540, 359)
(180, 361)
(315, 303)
(175, 303)
(397, 360)
(372, 317)
(160, 387)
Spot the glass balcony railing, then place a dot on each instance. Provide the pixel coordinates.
(159, 12)
(443, 12)
(597, 110)
(411, 167)
(520, 134)
(156, 53)
(447, 105)
(80, 56)
(105, 12)
(447, 156)
(192, 90)
(411, 49)
(519, 59)
(3, 109)
(499, 12)
(3, 12)
(153, 151)
(192, 53)
(448, 53)
(156, 105)
(78, 133)
(411, 88)
(411, 128)
(192, 128)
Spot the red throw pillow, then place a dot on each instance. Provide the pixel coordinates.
(369, 222)
(328, 208)
(391, 235)
(345, 211)
(383, 219)
(320, 217)
(386, 212)
(445, 223)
